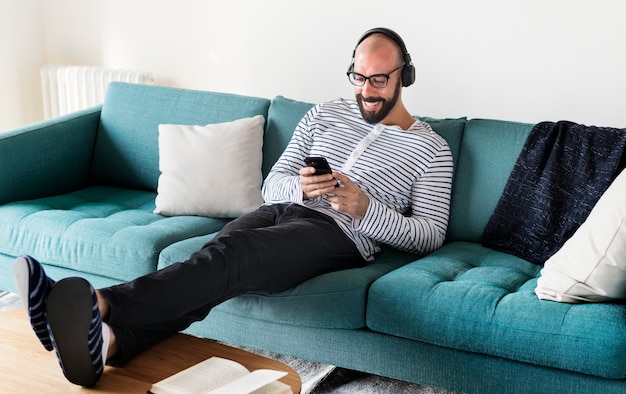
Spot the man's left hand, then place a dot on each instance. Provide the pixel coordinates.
(348, 198)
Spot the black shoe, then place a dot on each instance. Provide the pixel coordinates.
(76, 330)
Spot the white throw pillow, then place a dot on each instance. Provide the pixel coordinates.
(212, 170)
(591, 265)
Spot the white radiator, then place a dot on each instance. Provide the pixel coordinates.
(71, 88)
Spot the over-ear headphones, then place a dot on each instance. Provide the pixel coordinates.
(408, 71)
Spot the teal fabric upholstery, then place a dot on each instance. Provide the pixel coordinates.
(284, 115)
(333, 300)
(468, 297)
(451, 129)
(180, 251)
(100, 230)
(486, 157)
(402, 358)
(127, 146)
(47, 158)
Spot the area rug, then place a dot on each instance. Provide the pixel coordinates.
(9, 301)
(317, 378)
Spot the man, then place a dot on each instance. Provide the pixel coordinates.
(391, 185)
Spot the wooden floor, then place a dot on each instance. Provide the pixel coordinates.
(26, 367)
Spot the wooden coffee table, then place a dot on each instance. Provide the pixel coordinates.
(26, 367)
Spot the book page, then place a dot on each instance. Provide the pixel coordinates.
(251, 382)
(201, 378)
(275, 387)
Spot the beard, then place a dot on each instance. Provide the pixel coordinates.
(387, 105)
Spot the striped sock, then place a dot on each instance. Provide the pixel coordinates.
(33, 287)
(94, 339)
(106, 340)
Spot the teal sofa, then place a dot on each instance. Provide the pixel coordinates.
(78, 193)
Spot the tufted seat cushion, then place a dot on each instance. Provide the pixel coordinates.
(332, 300)
(101, 230)
(469, 297)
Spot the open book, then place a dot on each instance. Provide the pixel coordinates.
(218, 375)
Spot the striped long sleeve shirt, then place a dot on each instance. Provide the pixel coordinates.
(407, 176)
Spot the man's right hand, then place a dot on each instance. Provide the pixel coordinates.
(314, 186)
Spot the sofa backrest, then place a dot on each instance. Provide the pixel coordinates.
(284, 115)
(488, 152)
(127, 154)
(126, 151)
(451, 129)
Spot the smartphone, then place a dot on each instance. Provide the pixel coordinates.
(319, 163)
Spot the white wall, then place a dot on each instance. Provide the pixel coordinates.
(524, 60)
(21, 54)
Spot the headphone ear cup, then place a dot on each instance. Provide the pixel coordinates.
(408, 75)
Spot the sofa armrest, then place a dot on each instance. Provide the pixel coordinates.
(49, 157)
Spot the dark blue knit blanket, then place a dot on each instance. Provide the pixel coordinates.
(561, 173)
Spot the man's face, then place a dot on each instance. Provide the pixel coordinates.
(374, 57)
(375, 108)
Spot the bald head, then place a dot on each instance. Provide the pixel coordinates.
(381, 43)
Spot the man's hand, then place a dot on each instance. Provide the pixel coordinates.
(344, 196)
(348, 198)
(314, 186)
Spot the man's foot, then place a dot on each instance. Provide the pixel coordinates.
(76, 330)
(33, 287)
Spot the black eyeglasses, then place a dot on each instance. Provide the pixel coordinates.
(377, 80)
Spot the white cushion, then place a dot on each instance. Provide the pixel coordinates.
(591, 265)
(212, 170)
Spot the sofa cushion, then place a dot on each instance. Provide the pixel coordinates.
(126, 151)
(468, 297)
(283, 117)
(487, 155)
(451, 129)
(212, 170)
(591, 265)
(333, 300)
(100, 230)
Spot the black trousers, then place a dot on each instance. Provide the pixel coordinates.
(271, 249)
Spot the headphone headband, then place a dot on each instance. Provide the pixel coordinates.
(408, 71)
